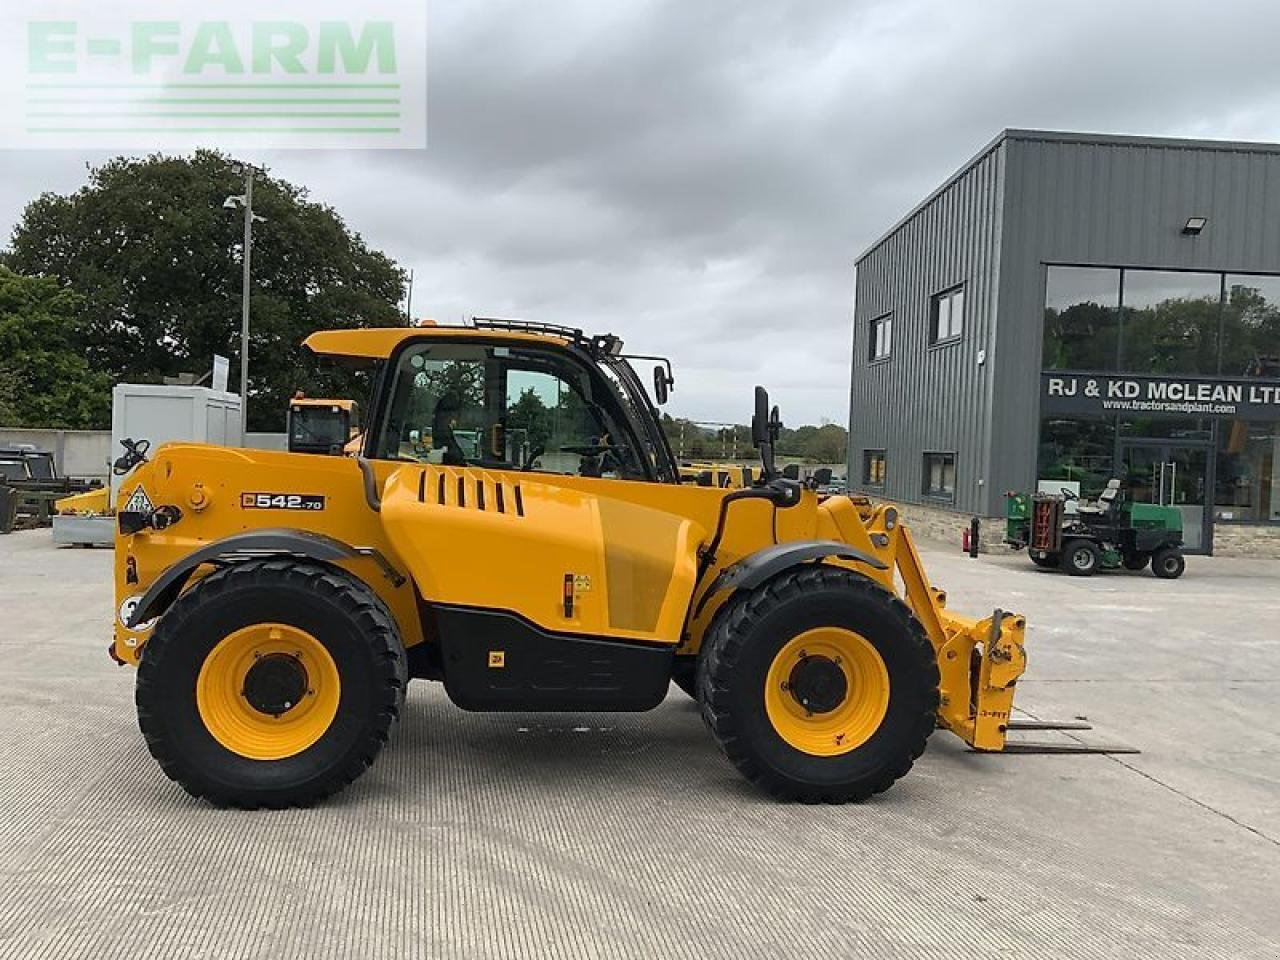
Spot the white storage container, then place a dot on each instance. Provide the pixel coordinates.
(164, 414)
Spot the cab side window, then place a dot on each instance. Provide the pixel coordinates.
(503, 408)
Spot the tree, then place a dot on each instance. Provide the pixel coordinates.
(45, 380)
(157, 261)
(531, 415)
(825, 444)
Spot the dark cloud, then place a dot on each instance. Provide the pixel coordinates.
(698, 176)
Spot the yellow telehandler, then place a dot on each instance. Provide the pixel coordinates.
(325, 426)
(515, 528)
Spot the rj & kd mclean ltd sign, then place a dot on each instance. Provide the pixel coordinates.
(1097, 394)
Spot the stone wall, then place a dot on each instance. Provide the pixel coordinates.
(1246, 540)
(947, 527)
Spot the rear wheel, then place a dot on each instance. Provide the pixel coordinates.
(273, 683)
(1168, 563)
(1081, 558)
(819, 686)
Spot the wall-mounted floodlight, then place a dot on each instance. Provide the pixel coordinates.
(1194, 225)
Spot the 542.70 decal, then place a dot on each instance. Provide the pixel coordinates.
(281, 501)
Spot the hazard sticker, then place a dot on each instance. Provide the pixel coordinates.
(129, 605)
(138, 502)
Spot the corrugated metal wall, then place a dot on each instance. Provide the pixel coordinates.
(1028, 200)
(1113, 202)
(930, 398)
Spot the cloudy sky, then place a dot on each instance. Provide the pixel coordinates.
(698, 175)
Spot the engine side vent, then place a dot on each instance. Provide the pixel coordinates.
(470, 489)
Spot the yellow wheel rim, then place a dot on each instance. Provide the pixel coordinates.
(827, 691)
(268, 691)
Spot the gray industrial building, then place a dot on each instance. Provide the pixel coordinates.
(1071, 307)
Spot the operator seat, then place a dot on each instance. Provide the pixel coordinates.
(1106, 500)
(447, 408)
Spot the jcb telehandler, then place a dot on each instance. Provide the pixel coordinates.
(316, 425)
(277, 604)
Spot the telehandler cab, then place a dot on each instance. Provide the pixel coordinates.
(277, 604)
(324, 426)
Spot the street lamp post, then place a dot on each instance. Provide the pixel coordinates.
(245, 201)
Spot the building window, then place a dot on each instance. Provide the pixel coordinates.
(940, 475)
(946, 315)
(873, 462)
(1153, 321)
(881, 337)
(1248, 471)
(1076, 451)
(1169, 322)
(1082, 319)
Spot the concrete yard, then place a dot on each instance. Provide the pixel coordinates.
(630, 836)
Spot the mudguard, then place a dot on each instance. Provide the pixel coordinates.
(754, 569)
(250, 545)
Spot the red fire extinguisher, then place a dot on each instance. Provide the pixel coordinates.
(969, 538)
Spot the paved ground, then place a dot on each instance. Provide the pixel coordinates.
(629, 836)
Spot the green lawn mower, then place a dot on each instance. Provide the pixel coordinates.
(1105, 534)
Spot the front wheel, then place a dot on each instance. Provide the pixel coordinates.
(819, 686)
(1081, 558)
(271, 684)
(1168, 563)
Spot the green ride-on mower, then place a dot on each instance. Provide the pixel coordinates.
(1105, 534)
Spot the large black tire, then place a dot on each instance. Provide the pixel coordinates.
(751, 631)
(1081, 558)
(1052, 560)
(343, 615)
(684, 674)
(1167, 563)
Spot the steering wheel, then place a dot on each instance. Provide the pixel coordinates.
(534, 454)
(611, 451)
(1068, 494)
(135, 453)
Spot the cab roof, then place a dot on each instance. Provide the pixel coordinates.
(378, 343)
(341, 404)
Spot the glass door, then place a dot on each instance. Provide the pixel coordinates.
(1173, 475)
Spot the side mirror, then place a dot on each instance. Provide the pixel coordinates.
(760, 419)
(661, 383)
(766, 427)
